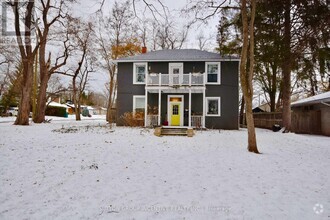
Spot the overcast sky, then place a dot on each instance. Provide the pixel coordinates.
(88, 7)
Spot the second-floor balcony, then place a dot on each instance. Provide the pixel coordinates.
(186, 79)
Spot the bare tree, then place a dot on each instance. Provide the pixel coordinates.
(8, 60)
(55, 88)
(79, 82)
(81, 33)
(4, 80)
(161, 29)
(51, 21)
(116, 38)
(168, 36)
(203, 10)
(28, 54)
(11, 86)
(202, 40)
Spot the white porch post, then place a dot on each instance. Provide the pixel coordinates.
(159, 105)
(204, 109)
(146, 108)
(189, 115)
(189, 79)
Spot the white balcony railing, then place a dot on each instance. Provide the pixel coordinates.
(187, 79)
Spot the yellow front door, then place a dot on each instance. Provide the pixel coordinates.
(175, 116)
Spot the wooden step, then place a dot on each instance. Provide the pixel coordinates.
(174, 132)
(161, 131)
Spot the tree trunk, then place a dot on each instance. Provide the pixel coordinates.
(27, 58)
(252, 140)
(110, 103)
(286, 69)
(41, 101)
(78, 112)
(241, 112)
(76, 100)
(247, 75)
(24, 108)
(44, 78)
(272, 95)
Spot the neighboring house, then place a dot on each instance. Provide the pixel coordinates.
(312, 115)
(71, 109)
(56, 104)
(185, 87)
(262, 108)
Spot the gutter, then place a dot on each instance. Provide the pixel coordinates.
(181, 60)
(324, 103)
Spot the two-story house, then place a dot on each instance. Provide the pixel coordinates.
(183, 87)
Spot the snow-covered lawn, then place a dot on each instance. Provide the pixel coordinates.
(84, 170)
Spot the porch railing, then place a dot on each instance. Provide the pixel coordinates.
(152, 120)
(196, 121)
(186, 79)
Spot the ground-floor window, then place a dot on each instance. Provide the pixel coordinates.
(138, 103)
(213, 106)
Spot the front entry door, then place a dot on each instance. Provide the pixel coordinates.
(175, 110)
(175, 114)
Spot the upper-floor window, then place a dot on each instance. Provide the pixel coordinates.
(139, 73)
(212, 72)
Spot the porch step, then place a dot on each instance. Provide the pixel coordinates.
(161, 131)
(174, 131)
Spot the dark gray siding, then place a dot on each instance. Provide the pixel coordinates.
(126, 90)
(158, 67)
(188, 67)
(228, 91)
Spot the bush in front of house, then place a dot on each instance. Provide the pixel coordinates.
(133, 119)
(56, 111)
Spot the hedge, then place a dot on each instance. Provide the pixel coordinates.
(56, 111)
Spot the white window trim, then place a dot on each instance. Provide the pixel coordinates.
(219, 73)
(207, 106)
(134, 72)
(171, 66)
(134, 101)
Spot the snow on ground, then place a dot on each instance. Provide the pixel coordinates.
(85, 170)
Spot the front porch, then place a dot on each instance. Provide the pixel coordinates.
(153, 121)
(180, 107)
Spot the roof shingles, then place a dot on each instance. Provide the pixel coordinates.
(177, 55)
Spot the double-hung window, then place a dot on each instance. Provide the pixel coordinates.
(213, 106)
(139, 73)
(212, 72)
(138, 104)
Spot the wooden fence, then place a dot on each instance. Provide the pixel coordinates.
(306, 122)
(267, 119)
